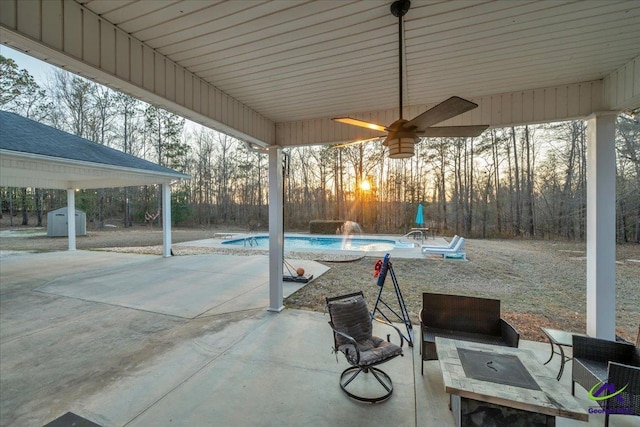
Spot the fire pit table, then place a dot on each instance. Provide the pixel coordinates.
(502, 386)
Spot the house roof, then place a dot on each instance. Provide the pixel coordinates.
(33, 154)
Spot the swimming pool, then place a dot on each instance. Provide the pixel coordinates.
(338, 243)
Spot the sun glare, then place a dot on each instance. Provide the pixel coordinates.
(365, 185)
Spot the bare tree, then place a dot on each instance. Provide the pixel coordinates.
(19, 92)
(628, 187)
(129, 110)
(529, 180)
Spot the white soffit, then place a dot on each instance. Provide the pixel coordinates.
(24, 170)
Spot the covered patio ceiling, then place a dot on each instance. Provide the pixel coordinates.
(276, 72)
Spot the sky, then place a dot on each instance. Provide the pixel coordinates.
(38, 69)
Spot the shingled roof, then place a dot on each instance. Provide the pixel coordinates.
(26, 139)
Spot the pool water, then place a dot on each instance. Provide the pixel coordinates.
(340, 243)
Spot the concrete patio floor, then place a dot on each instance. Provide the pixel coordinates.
(139, 340)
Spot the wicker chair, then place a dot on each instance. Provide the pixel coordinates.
(352, 334)
(462, 318)
(597, 361)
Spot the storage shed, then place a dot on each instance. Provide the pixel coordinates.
(57, 223)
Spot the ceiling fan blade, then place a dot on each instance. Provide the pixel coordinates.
(452, 107)
(360, 141)
(361, 123)
(453, 131)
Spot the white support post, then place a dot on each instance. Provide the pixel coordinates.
(276, 229)
(71, 218)
(166, 220)
(601, 225)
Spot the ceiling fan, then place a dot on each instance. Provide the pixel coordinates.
(403, 134)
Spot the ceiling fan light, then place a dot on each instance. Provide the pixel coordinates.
(401, 148)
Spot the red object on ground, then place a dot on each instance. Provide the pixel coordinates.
(377, 268)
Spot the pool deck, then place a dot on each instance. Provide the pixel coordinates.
(397, 252)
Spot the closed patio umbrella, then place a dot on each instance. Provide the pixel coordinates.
(420, 215)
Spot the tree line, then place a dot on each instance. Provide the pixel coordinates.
(525, 181)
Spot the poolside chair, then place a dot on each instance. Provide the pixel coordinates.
(352, 334)
(456, 251)
(451, 244)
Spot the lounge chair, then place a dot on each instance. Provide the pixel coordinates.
(455, 252)
(451, 244)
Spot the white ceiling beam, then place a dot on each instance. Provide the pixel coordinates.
(623, 86)
(557, 103)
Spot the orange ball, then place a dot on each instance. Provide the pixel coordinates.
(300, 271)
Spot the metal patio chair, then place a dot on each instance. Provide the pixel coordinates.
(601, 363)
(352, 326)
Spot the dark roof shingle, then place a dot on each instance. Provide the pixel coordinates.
(24, 135)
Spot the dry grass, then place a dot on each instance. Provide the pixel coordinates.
(540, 283)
